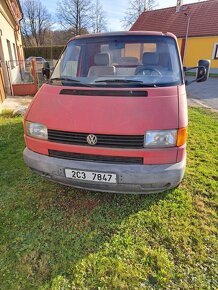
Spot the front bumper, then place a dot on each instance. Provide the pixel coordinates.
(130, 178)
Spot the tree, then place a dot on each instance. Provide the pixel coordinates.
(35, 23)
(98, 18)
(74, 14)
(135, 9)
(61, 37)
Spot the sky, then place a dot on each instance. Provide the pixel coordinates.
(115, 10)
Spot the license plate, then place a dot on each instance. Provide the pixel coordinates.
(91, 176)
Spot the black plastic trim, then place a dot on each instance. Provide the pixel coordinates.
(111, 93)
(95, 158)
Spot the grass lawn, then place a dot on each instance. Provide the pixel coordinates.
(56, 237)
(193, 74)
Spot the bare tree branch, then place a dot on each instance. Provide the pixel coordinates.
(35, 23)
(98, 18)
(74, 14)
(135, 9)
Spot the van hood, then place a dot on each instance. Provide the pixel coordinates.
(91, 112)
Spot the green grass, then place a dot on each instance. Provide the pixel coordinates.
(55, 237)
(193, 74)
(6, 113)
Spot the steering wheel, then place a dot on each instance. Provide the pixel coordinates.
(142, 70)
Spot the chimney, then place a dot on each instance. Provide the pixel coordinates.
(178, 5)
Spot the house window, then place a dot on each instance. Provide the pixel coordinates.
(10, 54)
(15, 54)
(215, 51)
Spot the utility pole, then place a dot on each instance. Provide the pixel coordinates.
(186, 36)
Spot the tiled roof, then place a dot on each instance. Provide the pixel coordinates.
(203, 19)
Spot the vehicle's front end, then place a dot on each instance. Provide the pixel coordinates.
(113, 116)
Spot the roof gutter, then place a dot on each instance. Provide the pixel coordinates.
(18, 2)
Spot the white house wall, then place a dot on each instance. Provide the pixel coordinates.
(7, 32)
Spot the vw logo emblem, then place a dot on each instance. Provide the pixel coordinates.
(92, 139)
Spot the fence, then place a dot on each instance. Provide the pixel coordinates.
(25, 77)
(48, 52)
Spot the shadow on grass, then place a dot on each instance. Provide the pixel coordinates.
(47, 228)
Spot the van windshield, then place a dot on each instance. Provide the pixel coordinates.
(119, 61)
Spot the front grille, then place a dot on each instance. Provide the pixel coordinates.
(95, 158)
(113, 141)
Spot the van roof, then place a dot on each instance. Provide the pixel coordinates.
(120, 33)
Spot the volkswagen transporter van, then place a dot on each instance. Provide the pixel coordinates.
(113, 115)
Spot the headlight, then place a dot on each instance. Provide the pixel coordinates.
(160, 138)
(36, 130)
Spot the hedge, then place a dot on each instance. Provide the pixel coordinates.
(47, 52)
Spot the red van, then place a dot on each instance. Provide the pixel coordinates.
(113, 115)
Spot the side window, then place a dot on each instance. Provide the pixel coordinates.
(215, 51)
(150, 47)
(69, 64)
(127, 54)
(132, 50)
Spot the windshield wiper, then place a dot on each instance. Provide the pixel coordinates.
(118, 81)
(69, 80)
(106, 81)
(124, 81)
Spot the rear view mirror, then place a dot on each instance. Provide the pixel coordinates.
(116, 45)
(203, 70)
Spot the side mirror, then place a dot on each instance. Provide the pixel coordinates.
(46, 70)
(203, 70)
(202, 73)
